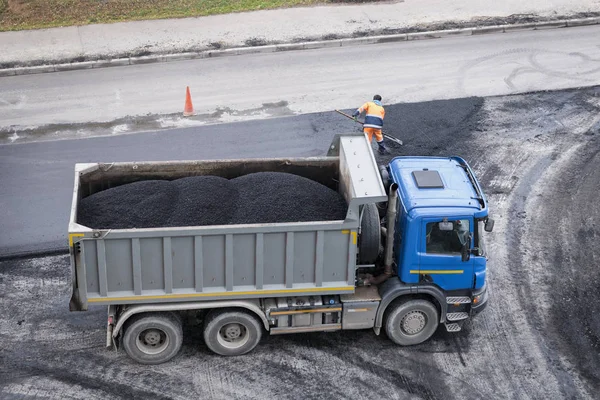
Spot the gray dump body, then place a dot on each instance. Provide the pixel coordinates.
(155, 265)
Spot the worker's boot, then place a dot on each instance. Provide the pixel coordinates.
(382, 149)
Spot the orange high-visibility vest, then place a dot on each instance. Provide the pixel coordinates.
(374, 114)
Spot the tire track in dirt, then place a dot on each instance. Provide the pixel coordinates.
(567, 223)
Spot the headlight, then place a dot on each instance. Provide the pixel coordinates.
(480, 298)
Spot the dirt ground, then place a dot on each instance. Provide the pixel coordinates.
(538, 159)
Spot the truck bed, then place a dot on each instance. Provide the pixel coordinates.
(152, 265)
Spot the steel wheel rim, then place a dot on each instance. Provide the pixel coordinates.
(233, 335)
(152, 341)
(413, 322)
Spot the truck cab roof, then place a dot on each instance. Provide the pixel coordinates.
(438, 184)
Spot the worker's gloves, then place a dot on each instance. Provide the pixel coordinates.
(356, 114)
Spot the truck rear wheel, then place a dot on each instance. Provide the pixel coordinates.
(231, 333)
(153, 338)
(411, 322)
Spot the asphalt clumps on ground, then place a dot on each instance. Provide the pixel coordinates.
(263, 197)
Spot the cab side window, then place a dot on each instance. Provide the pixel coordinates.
(447, 241)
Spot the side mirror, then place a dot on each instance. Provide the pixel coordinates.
(489, 225)
(465, 251)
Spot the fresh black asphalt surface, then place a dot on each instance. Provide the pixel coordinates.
(538, 158)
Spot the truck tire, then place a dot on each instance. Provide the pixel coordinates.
(153, 338)
(385, 177)
(231, 333)
(411, 322)
(370, 235)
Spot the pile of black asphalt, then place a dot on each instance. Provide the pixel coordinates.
(137, 205)
(267, 197)
(263, 197)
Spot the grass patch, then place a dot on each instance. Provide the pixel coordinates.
(35, 14)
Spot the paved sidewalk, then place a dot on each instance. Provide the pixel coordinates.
(107, 41)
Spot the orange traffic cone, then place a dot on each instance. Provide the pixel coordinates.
(188, 110)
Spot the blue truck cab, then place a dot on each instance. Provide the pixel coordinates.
(439, 250)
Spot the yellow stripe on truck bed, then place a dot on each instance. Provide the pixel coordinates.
(183, 296)
(72, 235)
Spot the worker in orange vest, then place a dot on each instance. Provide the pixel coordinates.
(373, 121)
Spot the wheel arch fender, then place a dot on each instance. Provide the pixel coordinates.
(250, 305)
(437, 294)
(393, 289)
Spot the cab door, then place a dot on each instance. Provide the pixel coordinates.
(440, 259)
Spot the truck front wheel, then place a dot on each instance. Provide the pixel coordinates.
(153, 338)
(411, 322)
(231, 333)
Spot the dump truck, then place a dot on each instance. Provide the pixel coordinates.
(408, 257)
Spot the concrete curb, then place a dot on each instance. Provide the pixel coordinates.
(298, 46)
